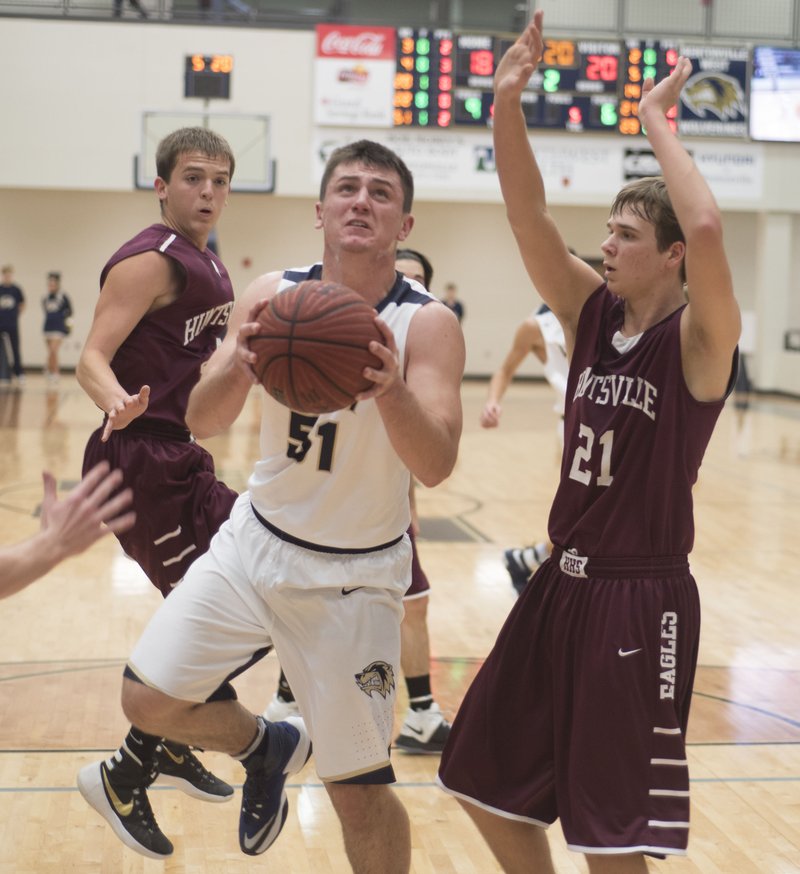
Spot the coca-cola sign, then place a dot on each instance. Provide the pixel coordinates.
(352, 41)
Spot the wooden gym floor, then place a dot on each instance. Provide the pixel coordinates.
(65, 639)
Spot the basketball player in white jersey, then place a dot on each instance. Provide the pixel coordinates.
(424, 730)
(542, 335)
(315, 558)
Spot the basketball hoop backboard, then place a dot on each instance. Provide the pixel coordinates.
(248, 135)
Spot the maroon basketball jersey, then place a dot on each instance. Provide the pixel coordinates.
(634, 438)
(167, 347)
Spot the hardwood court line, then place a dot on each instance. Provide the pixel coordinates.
(701, 744)
(100, 664)
(792, 779)
(751, 707)
(54, 672)
(27, 790)
(64, 661)
(476, 532)
(743, 743)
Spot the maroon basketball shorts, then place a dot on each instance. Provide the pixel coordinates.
(579, 713)
(419, 581)
(179, 502)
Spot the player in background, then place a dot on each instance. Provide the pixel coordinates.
(451, 301)
(542, 335)
(580, 711)
(12, 305)
(164, 303)
(57, 324)
(424, 729)
(93, 508)
(315, 557)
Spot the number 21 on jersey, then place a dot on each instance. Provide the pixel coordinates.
(584, 462)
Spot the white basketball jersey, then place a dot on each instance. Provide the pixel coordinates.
(334, 480)
(556, 367)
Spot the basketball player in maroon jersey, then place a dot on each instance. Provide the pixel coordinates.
(580, 711)
(164, 303)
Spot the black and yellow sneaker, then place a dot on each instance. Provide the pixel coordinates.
(178, 766)
(117, 790)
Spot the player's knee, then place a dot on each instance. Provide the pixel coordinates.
(358, 804)
(146, 708)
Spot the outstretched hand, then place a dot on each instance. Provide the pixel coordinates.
(95, 507)
(125, 411)
(89, 511)
(518, 63)
(662, 97)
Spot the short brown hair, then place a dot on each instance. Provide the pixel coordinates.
(648, 198)
(370, 154)
(191, 139)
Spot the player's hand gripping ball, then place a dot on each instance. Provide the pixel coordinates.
(313, 346)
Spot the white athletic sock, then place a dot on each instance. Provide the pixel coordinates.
(253, 745)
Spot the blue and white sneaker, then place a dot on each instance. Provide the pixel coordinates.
(264, 802)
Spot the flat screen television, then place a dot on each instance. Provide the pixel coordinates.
(775, 94)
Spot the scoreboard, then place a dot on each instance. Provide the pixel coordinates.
(644, 59)
(445, 79)
(208, 76)
(423, 83)
(574, 87)
(477, 57)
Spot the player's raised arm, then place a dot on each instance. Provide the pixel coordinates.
(711, 324)
(562, 280)
(219, 396)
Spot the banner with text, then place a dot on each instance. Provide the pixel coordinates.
(354, 75)
(580, 170)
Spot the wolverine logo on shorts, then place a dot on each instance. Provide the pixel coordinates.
(376, 677)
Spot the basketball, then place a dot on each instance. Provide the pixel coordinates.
(314, 345)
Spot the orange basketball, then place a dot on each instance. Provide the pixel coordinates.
(313, 346)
